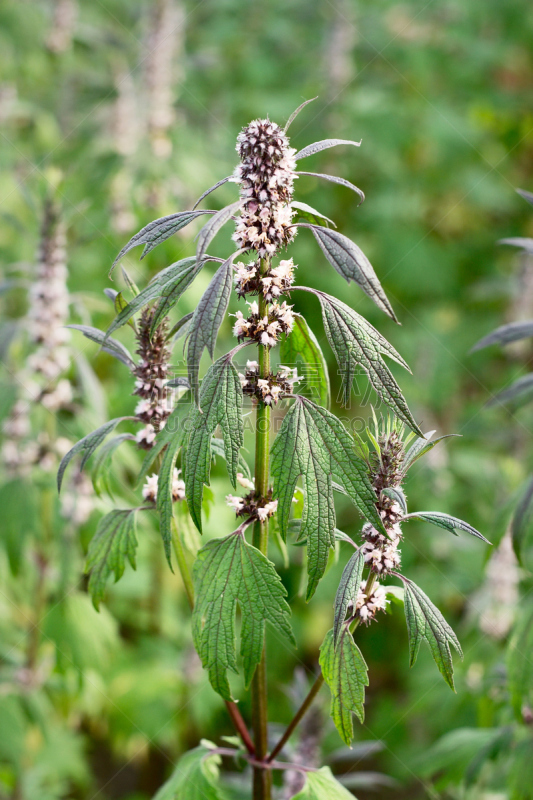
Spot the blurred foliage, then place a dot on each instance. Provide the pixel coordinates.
(437, 94)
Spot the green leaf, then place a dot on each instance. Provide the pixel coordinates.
(103, 460)
(521, 773)
(346, 675)
(322, 785)
(522, 523)
(164, 491)
(207, 320)
(310, 214)
(347, 592)
(335, 179)
(424, 621)
(447, 522)
(324, 144)
(505, 334)
(113, 542)
(420, 447)
(212, 227)
(218, 450)
(301, 347)
(313, 443)
(520, 392)
(220, 404)
(520, 663)
(181, 327)
(87, 446)
(355, 343)
(296, 112)
(230, 571)
(19, 501)
(109, 345)
(212, 189)
(195, 777)
(350, 262)
(158, 231)
(168, 284)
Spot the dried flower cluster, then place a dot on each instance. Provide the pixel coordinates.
(266, 175)
(252, 505)
(271, 389)
(149, 490)
(272, 283)
(265, 329)
(151, 378)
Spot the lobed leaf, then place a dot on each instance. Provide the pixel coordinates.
(230, 571)
(505, 334)
(207, 319)
(158, 231)
(335, 179)
(447, 522)
(220, 404)
(218, 450)
(87, 446)
(324, 144)
(301, 346)
(212, 189)
(350, 262)
(113, 543)
(347, 592)
(424, 621)
(356, 343)
(346, 674)
(195, 777)
(212, 227)
(169, 284)
(314, 444)
(109, 345)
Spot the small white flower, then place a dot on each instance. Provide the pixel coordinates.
(245, 482)
(149, 490)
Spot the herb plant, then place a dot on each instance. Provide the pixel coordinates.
(291, 490)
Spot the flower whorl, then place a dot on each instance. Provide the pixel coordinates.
(266, 175)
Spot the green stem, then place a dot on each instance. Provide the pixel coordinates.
(262, 782)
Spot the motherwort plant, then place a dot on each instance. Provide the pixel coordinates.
(313, 453)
